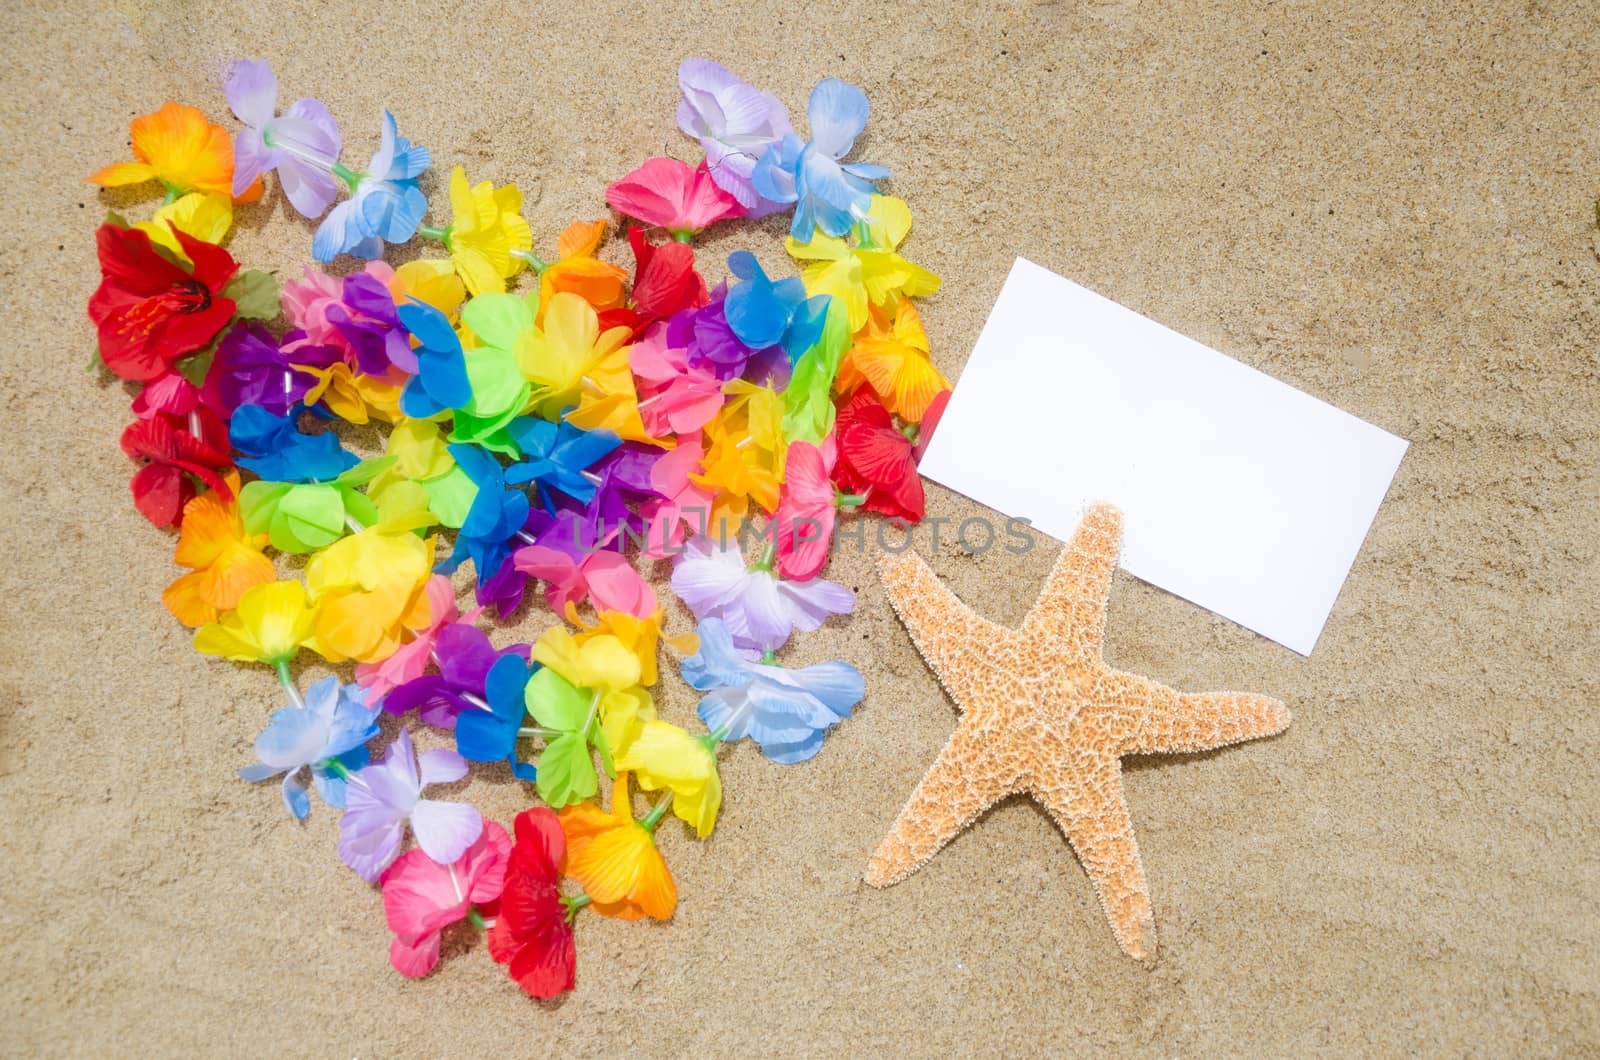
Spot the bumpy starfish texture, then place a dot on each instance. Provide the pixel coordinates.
(1044, 715)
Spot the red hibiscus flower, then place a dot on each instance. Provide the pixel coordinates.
(876, 459)
(664, 282)
(532, 933)
(177, 447)
(150, 312)
(671, 195)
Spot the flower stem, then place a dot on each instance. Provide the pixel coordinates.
(536, 263)
(430, 232)
(682, 235)
(287, 681)
(769, 658)
(350, 177)
(658, 811)
(848, 500)
(476, 918)
(574, 904)
(768, 556)
(174, 193)
(539, 731)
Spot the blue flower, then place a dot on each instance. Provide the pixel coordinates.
(555, 458)
(827, 193)
(496, 515)
(786, 712)
(327, 732)
(441, 381)
(273, 447)
(385, 204)
(491, 736)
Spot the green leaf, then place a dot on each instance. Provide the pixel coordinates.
(195, 368)
(115, 218)
(566, 772)
(554, 702)
(255, 293)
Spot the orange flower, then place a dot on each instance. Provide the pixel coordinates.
(224, 560)
(599, 283)
(893, 360)
(179, 147)
(615, 858)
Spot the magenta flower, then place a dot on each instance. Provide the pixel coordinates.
(668, 194)
(806, 510)
(422, 897)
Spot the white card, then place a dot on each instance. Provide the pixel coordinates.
(1238, 492)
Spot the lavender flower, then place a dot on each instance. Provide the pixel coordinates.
(382, 798)
(302, 144)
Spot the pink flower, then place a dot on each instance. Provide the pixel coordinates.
(805, 514)
(411, 659)
(605, 578)
(673, 397)
(683, 504)
(422, 897)
(667, 193)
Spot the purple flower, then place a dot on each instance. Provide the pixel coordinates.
(464, 655)
(249, 368)
(759, 609)
(325, 732)
(367, 318)
(381, 798)
(302, 144)
(786, 712)
(713, 347)
(734, 123)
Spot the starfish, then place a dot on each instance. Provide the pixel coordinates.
(1044, 715)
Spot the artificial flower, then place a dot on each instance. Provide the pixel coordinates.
(675, 396)
(806, 511)
(744, 452)
(250, 368)
(828, 194)
(681, 506)
(577, 271)
(532, 934)
(875, 459)
(639, 634)
(385, 203)
(608, 670)
(609, 401)
(464, 657)
(664, 282)
(421, 897)
(205, 216)
(786, 712)
(491, 735)
(556, 458)
(179, 450)
(735, 125)
(615, 858)
(663, 756)
(149, 312)
(761, 611)
(496, 516)
(302, 144)
(760, 311)
(369, 590)
(326, 732)
(422, 456)
(383, 797)
(673, 195)
(556, 356)
(270, 624)
(411, 659)
(892, 359)
(607, 580)
(352, 396)
(870, 273)
(179, 147)
(567, 718)
(274, 447)
(502, 324)
(487, 238)
(441, 382)
(300, 517)
(224, 560)
(808, 411)
(171, 393)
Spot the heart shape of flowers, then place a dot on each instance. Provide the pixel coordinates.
(548, 432)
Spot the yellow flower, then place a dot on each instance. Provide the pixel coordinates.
(487, 234)
(641, 636)
(430, 280)
(179, 147)
(744, 452)
(664, 756)
(869, 273)
(204, 215)
(369, 589)
(557, 356)
(893, 360)
(610, 402)
(352, 396)
(270, 624)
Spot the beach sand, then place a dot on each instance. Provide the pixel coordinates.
(1392, 209)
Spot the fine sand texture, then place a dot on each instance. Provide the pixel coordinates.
(1390, 206)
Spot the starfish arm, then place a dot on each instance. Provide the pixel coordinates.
(948, 633)
(1091, 810)
(1170, 723)
(1073, 600)
(963, 781)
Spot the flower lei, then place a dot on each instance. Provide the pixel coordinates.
(550, 435)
